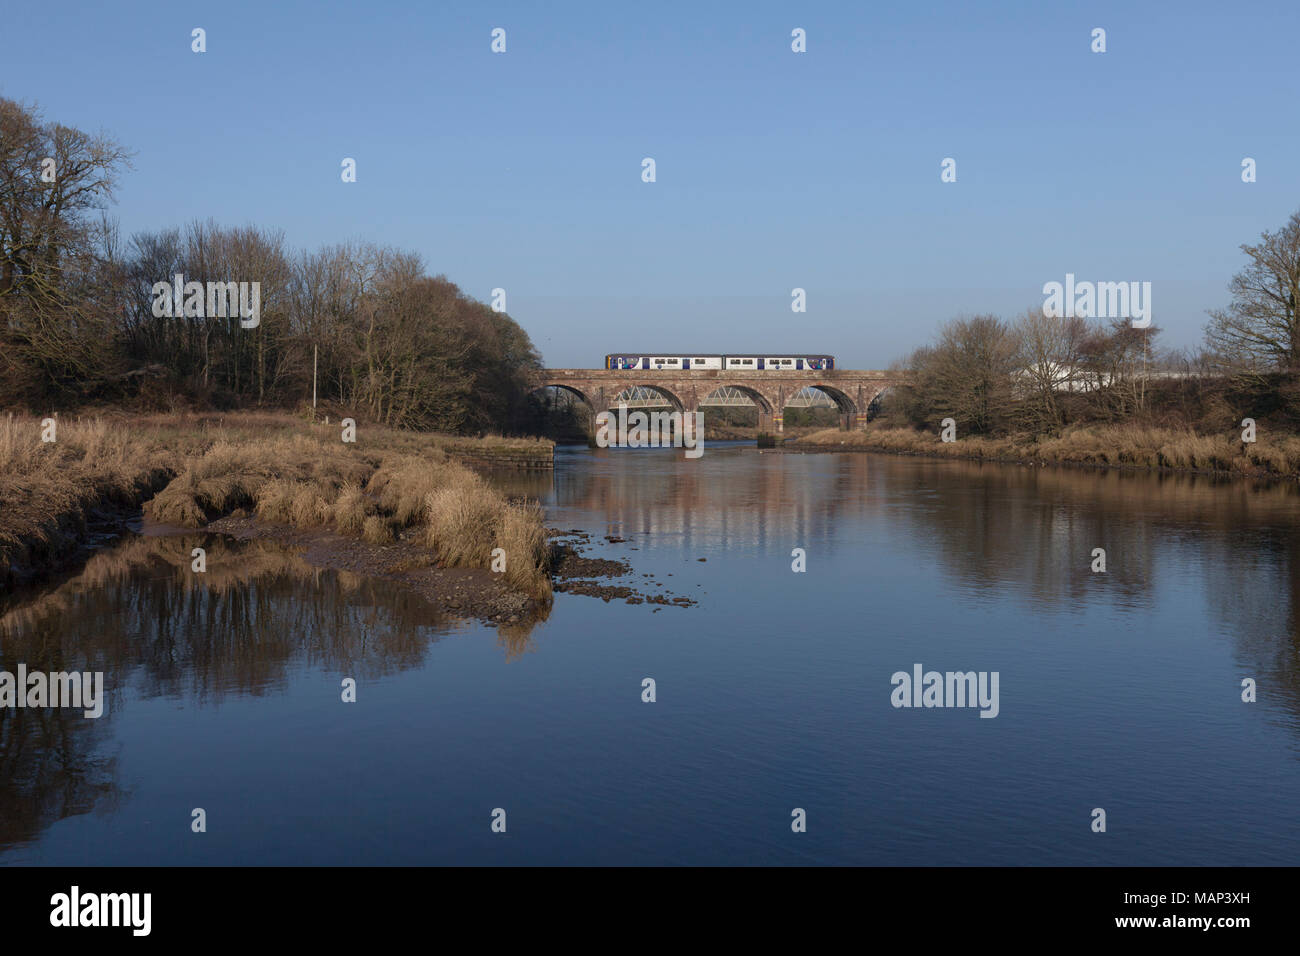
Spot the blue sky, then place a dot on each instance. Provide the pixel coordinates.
(775, 170)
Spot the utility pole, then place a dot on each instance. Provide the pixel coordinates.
(1146, 345)
(315, 349)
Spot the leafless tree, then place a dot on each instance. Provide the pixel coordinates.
(1259, 331)
(1049, 367)
(55, 312)
(967, 374)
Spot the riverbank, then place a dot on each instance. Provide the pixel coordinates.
(59, 496)
(1127, 446)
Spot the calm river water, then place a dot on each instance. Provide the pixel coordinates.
(1119, 690)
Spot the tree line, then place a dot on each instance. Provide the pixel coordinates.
(377, 335)
(1040, 372)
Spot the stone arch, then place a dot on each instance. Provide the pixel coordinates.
(669, 395)
(566, 387)
(838, 396)
(872, 406)
(762, 402)
(844, 403)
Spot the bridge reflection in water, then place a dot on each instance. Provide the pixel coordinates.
(1030, 530)
(1124, 683)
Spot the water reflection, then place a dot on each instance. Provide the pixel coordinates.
(1032, 530)
(139, 614)
(1123, 683)
(997, 531)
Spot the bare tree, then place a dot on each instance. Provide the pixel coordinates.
(1259, 331)
(1114, 361)
(967, 374)
(76, 307)
(1048, 356)
(56, 313)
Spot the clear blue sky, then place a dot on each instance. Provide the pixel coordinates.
(820, 170)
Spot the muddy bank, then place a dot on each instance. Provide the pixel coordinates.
(531, 459)
(1121, 449)
(395, 505)
(463, 592)
(458, 592)
(45, 535)
(573, 572)
(1028, 461)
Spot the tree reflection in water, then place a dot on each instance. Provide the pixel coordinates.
(155, 628)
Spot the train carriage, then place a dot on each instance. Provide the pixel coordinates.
(733, 363)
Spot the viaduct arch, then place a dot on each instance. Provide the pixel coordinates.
(852, 391)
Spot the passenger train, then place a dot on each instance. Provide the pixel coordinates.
(731, 363)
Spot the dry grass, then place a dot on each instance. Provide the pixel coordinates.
(403, 484)
(292, 479)
(1126, 445)
(463, 523)
(351, 509)
(378, 530)
(49, 491)
(204, 467)
(523, 536)
(467, 521)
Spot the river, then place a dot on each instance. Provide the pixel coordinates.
(1119, 691)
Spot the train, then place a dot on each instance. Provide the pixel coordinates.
(753, 362)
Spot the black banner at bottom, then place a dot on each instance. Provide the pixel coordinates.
(365, 905)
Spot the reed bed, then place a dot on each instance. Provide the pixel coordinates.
(190, 471)
(1271, 455)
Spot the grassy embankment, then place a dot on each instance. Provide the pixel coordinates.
(193, 470)
(1135, 446)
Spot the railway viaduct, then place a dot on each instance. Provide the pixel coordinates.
(852, 391)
